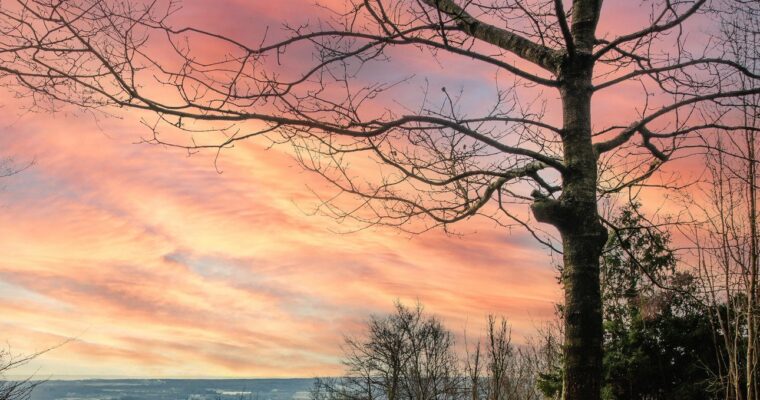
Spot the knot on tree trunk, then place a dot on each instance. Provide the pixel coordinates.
(548, 211)
(571, 219)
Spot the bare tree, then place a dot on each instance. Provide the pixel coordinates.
(406, 355)
(544, 355)
(16, 389)
(512, 370)
(727, 266)
(745, 47)
(439, 161)
(500, 352)
(726, 247)
(410, 355)
(473, 369)
(727, 241)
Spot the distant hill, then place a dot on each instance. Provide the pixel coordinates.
(174, 389)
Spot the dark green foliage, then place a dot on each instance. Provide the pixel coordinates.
(658, 343)
(550, 383)
(662, 349)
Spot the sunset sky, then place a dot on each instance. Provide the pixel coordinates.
(150, 262)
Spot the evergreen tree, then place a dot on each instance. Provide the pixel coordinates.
(657, 343)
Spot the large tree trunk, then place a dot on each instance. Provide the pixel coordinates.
(582, 316)
(576, 217)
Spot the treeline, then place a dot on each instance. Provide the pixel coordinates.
(411, 355)
(669, 333)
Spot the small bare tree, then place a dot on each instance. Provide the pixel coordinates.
(727, 252)
(473, 369)
(497, 369)
(727, 242)
(16, 389)
(439, 160)
(500, 354)
(406, 355)
(517, 369)
(409, 355)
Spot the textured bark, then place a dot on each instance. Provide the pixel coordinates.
(575, 214)
(751, 357)
(510, 41)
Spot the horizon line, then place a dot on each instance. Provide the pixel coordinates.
(59, 377)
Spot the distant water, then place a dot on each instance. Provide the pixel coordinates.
(175, 389)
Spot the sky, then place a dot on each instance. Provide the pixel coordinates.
(156, 264)
(142, 261)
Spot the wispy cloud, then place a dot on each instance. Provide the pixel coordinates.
(159, 265)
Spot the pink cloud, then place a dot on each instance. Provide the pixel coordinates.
(159, 265)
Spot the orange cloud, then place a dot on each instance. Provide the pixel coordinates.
(158, 265)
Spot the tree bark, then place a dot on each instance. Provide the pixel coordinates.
(753, 260)
(576, 217)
